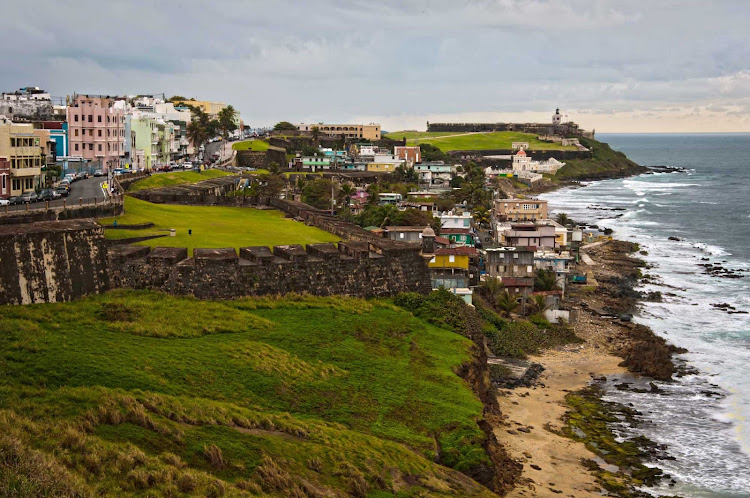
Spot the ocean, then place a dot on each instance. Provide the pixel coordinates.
(703, 418)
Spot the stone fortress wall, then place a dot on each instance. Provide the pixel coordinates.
(65, 260)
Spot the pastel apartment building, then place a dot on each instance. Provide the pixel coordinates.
(367, 132)
(96, 129)
(520, 209)
(25, 150)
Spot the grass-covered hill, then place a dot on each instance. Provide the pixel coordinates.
(605, 163)
(143, 394)
(448, 141)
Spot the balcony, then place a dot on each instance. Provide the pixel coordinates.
(25, 151)
(23, 172)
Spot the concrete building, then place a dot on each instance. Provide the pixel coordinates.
(522, 163)
(513, 266)
(4, 178)
(450, 220)
(434, 174)
(520, 209)
(27, 104)
(384, 163)
(96, 130)
(26, 150)
(528, 235)
(367, 132)
(411, 154)
(405, 233)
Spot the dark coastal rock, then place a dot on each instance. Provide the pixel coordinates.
(674, 238)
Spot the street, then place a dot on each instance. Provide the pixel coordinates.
(87, 190)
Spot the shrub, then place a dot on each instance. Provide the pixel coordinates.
(214, 456)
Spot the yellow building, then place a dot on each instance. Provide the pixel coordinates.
(25, 148)
(382, 167)
(456, 258)
(367, 132)
(520, 209)
(210, 108)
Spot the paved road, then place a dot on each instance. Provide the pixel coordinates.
(82, 189)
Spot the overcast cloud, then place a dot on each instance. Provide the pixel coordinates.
(665, 65)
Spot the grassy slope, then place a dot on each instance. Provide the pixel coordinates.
(214, 226)
(254, 145)
(176, 178)
(606, 163)
(476, 141)
(128, 391)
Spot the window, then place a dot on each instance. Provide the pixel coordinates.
(100, 133)
(100, 147)
(76, 146)
(4, 182)
(75, 118)
(98, 119)
(451, 259)
(75, 133)
(91, 118)
(91, 146)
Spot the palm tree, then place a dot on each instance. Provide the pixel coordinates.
(226, 122)
(346, 192)
(538, 304)
(315, 132)
(301, 182)
(506, 303)
(545, 281)
(563, 219)
(481, 216)
(491, 287)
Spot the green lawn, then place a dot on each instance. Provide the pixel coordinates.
(447, 141)
(254, 145)
(213, 226)
(145, 394)
(176, 178)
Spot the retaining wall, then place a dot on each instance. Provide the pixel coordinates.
(52, 261)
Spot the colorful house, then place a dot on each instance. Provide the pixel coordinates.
(460, 236)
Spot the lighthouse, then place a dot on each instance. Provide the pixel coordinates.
(557, 117)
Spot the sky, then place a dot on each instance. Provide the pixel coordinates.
(613, 66)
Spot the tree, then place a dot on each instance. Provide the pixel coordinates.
(563, 219)
(506, 303)
(226, 119)
(315, 132)
(301, 182)
(274, 168)
(284, 125)
(537, 304)
(445, 202)
(481, 216)
(270, 185)
(404, 173)
(346, 192)
(378, 216)
(491, 287)
(317, 193)
(310, 150)
(199, 129)
(432, 153)
(373, 190)
(544, 280)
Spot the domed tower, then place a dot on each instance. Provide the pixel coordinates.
(557, 117)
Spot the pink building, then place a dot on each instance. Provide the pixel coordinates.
(96, 130)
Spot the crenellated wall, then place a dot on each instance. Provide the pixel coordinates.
(52, 261)
(350, 268)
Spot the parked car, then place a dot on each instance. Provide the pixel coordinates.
(65, 182)
(4, 202)
(28, 197)
(62, 190)
(48, 194)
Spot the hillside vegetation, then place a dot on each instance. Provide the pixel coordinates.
(176, 178)
(448, 141)
(144, 394)
(605, 163)
(213, 226)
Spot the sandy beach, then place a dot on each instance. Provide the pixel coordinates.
(552, 462)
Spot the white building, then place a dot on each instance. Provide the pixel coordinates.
(450, 220)
(522, 162)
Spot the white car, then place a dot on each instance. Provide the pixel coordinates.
(4, 202)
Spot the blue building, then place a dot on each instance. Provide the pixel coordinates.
(60, 137)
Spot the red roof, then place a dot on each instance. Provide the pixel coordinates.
(454, 230)
(521, 153)
(443, 240)
(458, 251)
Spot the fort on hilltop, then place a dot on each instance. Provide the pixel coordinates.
(556, 127)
